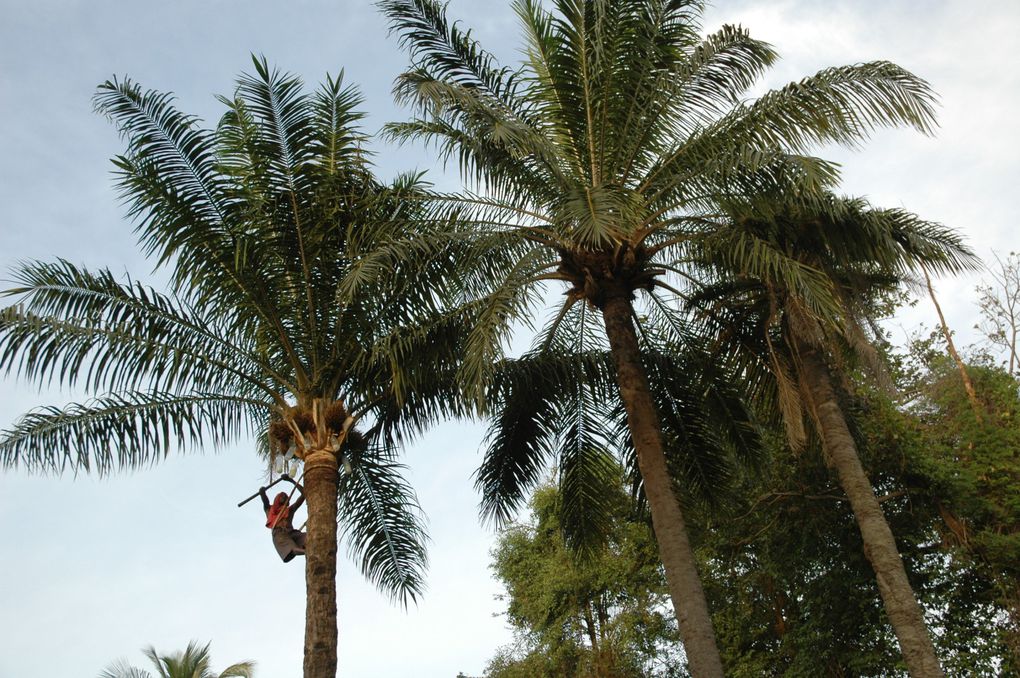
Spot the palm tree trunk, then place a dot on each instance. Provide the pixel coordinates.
(320, 565)
(667, 520)
(879, 545)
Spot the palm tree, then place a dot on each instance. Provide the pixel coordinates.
(593, 162)
(804, 318)
(303, 311)
(193, 662)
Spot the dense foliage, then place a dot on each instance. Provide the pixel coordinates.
(600, 615)
(791, 590)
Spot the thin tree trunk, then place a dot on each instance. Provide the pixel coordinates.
(879, 545)
(1012, 346)
(667, 519)
(320, 565)
(968, 386)
(596, 650)
(778, 600)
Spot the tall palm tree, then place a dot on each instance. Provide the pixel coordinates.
(193, 662)
(801, 334)
(303, 311)
(593, 162)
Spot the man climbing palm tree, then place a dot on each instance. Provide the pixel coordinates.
(288, 541)
(305, 310)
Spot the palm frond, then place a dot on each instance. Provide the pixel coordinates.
(940, 249)
(506, 304)
(121, 669)
(240, 670)
(588, 472)
(124, 430)
(181, 154)
(448, 52)
(420, 363)
(86, 328)
(520, 441)
(337, 139)
(382, 524)
(842, 104)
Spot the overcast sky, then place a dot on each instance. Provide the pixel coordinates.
(93, 569)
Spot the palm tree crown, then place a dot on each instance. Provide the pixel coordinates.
(289, 289)
(829, 259)
(193, 662)
(600, 156)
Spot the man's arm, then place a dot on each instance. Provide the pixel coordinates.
(265, 499)
(301, 491)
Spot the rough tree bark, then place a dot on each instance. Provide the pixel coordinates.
(879, 545)
(667, 519)
(320, 483)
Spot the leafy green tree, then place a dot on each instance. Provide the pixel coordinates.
(596, 162)
(973, 475)
(304, 310)
(193, 662)
(793, 593)
(802, 321)
(602, 615)
(791, 588)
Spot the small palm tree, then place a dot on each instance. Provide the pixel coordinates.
(304, 311)
(193, 662)
(596, 163)
(801, 317)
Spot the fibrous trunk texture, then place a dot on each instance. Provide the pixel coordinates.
(879, 545)
(667, 519)
(320, 565)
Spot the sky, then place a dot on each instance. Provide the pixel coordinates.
(93, 569)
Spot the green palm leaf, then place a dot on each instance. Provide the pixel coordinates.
(193, 662)
(382, 524)
(125, 430)
(88, 329)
